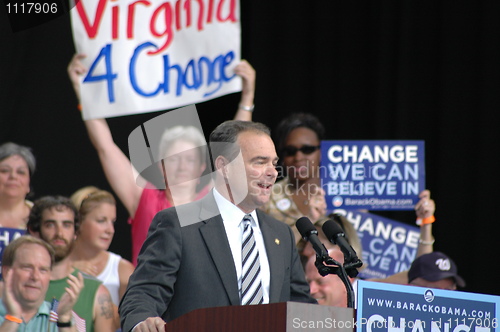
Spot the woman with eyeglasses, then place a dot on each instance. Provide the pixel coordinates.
(297, 139)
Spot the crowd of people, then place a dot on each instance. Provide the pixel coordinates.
(182, 240)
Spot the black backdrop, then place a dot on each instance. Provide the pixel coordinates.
(370, 70)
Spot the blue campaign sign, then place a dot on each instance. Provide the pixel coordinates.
(389, 246)
(373, 175)
(6, 236)
(389, 307)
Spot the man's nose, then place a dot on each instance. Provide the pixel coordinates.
(313, 285)
(35, 274)
(272, 171)
(59, 231)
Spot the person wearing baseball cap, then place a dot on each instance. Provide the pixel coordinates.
(435, 270)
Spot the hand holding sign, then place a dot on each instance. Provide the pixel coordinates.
(425, 207)
(424, 210)
(317, 204)
(75, 70)
(247, 73)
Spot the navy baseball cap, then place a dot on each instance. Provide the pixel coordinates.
(433, 267)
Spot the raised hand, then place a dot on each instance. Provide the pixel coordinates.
(69, 298)
(12, 307)
(317, 204)
(425, 207)
(75, 70)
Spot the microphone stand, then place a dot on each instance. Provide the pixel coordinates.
(339, 270)
(351, 268)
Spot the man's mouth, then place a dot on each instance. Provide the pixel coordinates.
(320, 299)
(59, 242)
(32, 286)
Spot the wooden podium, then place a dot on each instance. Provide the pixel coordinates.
(276, 317)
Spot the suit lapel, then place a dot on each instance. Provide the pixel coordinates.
(274, 256)
(214, 235)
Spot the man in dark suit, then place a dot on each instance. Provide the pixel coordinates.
(193, 255)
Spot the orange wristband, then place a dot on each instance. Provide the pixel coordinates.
(13, 319)
(425, 221)
(79, 107)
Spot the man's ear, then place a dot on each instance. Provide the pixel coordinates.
(221, 165)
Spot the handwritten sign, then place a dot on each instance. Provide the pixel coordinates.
(389, 307)
(147, 55)
(389, 246)
(373, 175)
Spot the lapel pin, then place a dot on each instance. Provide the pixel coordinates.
(277, 241)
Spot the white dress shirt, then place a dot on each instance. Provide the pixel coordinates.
(232, 218)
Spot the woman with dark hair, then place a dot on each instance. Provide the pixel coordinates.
(17, 165)
(299, 193)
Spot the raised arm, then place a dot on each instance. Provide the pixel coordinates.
(117, 168)
(245, 107)
(424, 210)
(425, 216)
(67, 302)
(12, 307)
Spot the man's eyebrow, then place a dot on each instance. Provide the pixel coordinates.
(52, 220)
(264, 158)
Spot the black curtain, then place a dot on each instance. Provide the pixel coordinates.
(425, 70)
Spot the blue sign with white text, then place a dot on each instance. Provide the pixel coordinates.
(388, 246)
(373, 175)
(8, 235)
(389, 307)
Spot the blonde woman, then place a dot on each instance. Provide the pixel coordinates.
(97, 214)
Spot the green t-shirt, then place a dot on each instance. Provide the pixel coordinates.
(84, 307)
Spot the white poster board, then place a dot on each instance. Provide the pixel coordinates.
(146, 55)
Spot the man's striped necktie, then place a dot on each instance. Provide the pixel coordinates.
(251, 285)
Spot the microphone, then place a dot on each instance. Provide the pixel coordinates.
(336, 235)
(309, 233)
